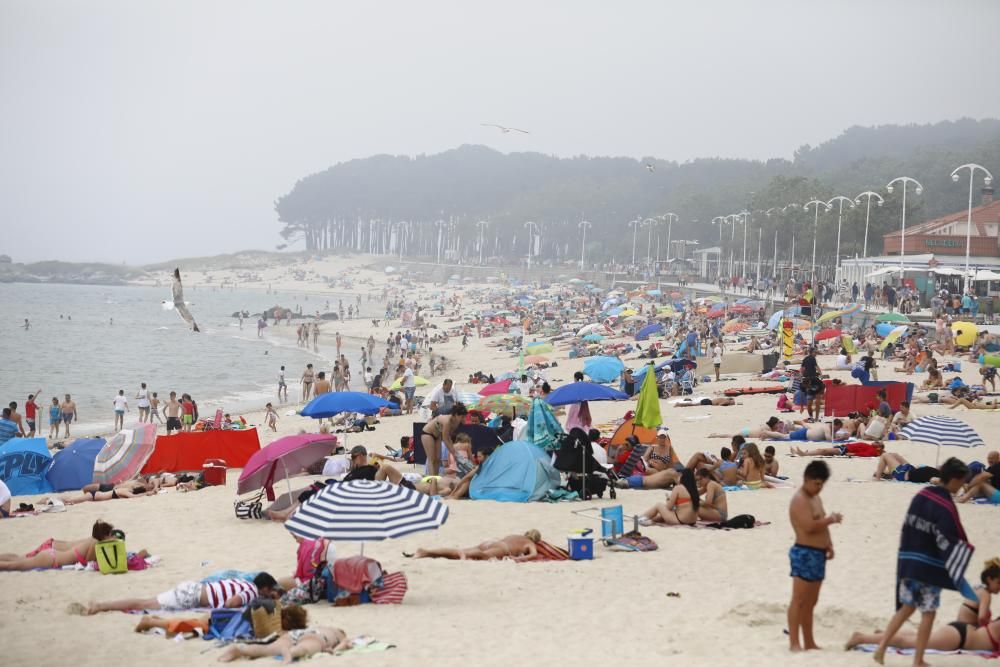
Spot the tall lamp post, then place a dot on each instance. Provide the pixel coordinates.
(987, 179)
(583, 243)
(482, 226)
(531, 239)
(670, 217)
(440, 224)
(720, 221)
(649, 222)
(815, 203)
(634, 224)
(732, 219)
(400, 230)
(904, 180)
(868, 213)
(746, 218)
(840, 199)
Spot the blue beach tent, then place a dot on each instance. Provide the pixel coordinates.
(517, 472)
(24, 463)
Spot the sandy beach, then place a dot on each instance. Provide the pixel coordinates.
(733, 586)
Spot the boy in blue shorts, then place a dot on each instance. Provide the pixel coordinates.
(813, 547)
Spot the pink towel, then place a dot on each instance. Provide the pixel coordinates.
(311, 553)
(356, 573)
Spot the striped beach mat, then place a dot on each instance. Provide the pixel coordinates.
(394, 587)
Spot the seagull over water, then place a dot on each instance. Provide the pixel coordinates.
(179, 305)
(505, 130)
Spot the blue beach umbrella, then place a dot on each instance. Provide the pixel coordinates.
(73, 467)
(603, 369)
(648, 330)
(334, 403)
(575, 392)
(593, 338)
(24, 463)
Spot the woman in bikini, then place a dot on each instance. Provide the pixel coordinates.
(681, 508)
(662, 455)
(101, 492)
(979, 613)
(752, 468)
(714, 506)
(54, 553)
(292, 645)
(516, 547)
(951, 637)
(438, 430)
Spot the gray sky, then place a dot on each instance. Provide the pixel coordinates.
(140, 131)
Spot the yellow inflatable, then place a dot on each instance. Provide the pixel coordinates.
(965, 333)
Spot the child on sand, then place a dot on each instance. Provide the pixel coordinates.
(271, 417)
(813, 547)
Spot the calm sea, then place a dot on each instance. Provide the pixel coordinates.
(90, 341)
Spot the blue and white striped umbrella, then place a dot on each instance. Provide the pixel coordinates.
(363, 511)
(939, 431)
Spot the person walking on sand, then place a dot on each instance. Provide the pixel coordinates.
(282, 386)
(172, 411)
(142, 402)
(121, 405)
(308, 376)
(69, 413)
(717, 358)
(271, 417)
(55, 418)
(187, 413)
(315, 336)
(31, 413)
(813, 547)
(154, 408)
(339, 343)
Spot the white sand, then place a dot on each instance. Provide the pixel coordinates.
(733, 585)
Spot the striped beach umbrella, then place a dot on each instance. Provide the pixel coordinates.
(505, 404)
(364, 511)
(123, 456)
(941, 430)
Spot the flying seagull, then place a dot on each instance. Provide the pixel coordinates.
(503, 129)
(179, 305)
(650, 166)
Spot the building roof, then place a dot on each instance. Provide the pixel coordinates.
(985, 222)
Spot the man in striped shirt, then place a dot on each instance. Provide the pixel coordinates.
(195, 594)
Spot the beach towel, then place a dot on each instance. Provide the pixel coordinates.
(632, 541)
(871, 648)
(933, 548)
(393, 590)
(712, 524)
(548, 552)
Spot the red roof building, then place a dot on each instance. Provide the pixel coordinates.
(946, 235)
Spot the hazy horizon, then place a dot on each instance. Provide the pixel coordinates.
(140, 132)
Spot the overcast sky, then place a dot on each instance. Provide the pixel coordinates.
(143, 130)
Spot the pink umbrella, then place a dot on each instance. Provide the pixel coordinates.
(827, 333)
(124, 455)
(501, 387)
(282, 458)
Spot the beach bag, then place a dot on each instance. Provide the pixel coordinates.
(265, 617)
(596, 486)
(249, 509)
(111, 556)
(740, 521)
(229, 625)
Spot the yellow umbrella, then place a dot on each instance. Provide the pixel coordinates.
(628, 312)
(965, 333)
(419, 381)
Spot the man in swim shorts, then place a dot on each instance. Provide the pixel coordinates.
(69, 414)
(172, 411)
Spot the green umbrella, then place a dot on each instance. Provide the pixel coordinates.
(647, 413)
(893, 317)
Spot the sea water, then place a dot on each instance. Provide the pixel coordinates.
(90, 341)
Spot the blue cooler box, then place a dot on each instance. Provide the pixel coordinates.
(580, 547)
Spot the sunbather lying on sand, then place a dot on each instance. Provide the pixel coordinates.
(102, 492)
(951, 637)
(193, 594)
(690, 402)
(53, 553)
(773, 429)
(516, 547)
(860, 449)
(292, 645)
(894, 466)
(293, 617)
(432, 485)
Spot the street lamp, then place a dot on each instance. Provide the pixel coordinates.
(717, 220)
(987, 179)
(732, 219)
(840, 199)
(531, 239)
(440, 224)
(905, 180)
(746, 219)
(816, 203)
(583, 243)
(868, 213)
(670, 217)
(482, 226)
(649, 222)
(399, 234)
(634, 224)
(791, 252)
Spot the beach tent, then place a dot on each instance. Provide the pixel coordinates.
(842, 399)
(24, 463)
(647, 436)
(73, 467)
(603, 369)
(189, 451)
(518, 471)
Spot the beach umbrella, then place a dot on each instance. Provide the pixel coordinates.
(965, 333)
(617, 310)
(941, 430)
(654, 292)
(543, 428)
(536, 359)
(73, 467)
(741, 309)
(576, 392)
(648, 330)
(893, 317)
(283, 458)
(590, 328)
(417, 380)
(775, 320)
(334, 403)
(24, 463)
(575, 281)
(500, 387)
(538, 348)
(123, 456)
(732, 326)
(467, 398)
(505, 404)
(603, 368)
(715, 314)
(647, 413)
(892, 336)
(826, 334)
(365, 511)
(628, 312)
(593, 338)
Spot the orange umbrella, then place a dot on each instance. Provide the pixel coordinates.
(536, 359)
